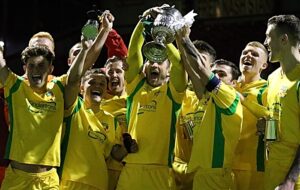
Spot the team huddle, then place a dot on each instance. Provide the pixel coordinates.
(191, 121)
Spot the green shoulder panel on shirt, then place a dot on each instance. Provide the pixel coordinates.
(65, 139)
(219, 141)
(298, 86)
(130, 99)
(174, 112)
(13, 89)
(232, 108)
(260, 92)
(60, 85)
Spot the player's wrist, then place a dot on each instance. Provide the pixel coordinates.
(213, 82)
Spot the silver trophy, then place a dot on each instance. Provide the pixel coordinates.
(163, 32)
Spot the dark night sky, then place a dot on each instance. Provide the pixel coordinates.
(64, 19)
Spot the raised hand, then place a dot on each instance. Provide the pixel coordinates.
(107, 20)
(261, 126)
(154, 11)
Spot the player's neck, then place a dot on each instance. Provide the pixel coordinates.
(246, 79)
(290, 60)
(95, 107)
(41, 90)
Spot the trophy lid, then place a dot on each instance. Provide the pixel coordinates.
(168, 17)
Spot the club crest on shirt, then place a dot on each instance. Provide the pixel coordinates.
(49, 96)
(105, 126)
(283, 91)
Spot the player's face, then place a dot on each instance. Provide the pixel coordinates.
(272, 42)
(38, 68)
(94, 88)
(224, 73)
(73, 53)
(156, 73)
(115, 74)
(253, 60)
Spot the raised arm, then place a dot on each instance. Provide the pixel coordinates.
(75, 73)
(177, 74)
(135, 57)
(191, 68)
(3, 68)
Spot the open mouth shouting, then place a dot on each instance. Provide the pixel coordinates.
(115, 83)
(96, 93)
(154, 74)
(247, 63)
(37, 79)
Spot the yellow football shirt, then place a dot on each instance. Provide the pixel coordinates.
(85, 147)
(217, 136)
(114, 135)
(250, 151)
(35, 121)
(117, 107)
(283, 103)
(190, 115)
(151, 112)
(151, 116)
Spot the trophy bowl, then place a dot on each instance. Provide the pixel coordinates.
(90, 29)
(163, 32)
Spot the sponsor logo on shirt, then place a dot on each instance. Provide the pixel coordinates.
(151, 107)
(41, 107)
(97, 135)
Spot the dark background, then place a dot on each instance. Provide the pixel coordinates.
(228, 25)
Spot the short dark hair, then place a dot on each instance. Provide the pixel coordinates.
(203, 46)
(235, 72)
(38, 50)
(288, 24)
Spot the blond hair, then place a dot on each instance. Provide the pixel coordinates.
(41, 34)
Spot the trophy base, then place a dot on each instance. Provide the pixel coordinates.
(155, 52)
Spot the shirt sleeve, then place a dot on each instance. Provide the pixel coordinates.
(177, 73)
(225, 97)
(115, 45)
(177, 96)
(255, 108)
(135, 57)
(10, 82)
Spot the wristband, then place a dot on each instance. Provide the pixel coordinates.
(212, 83)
